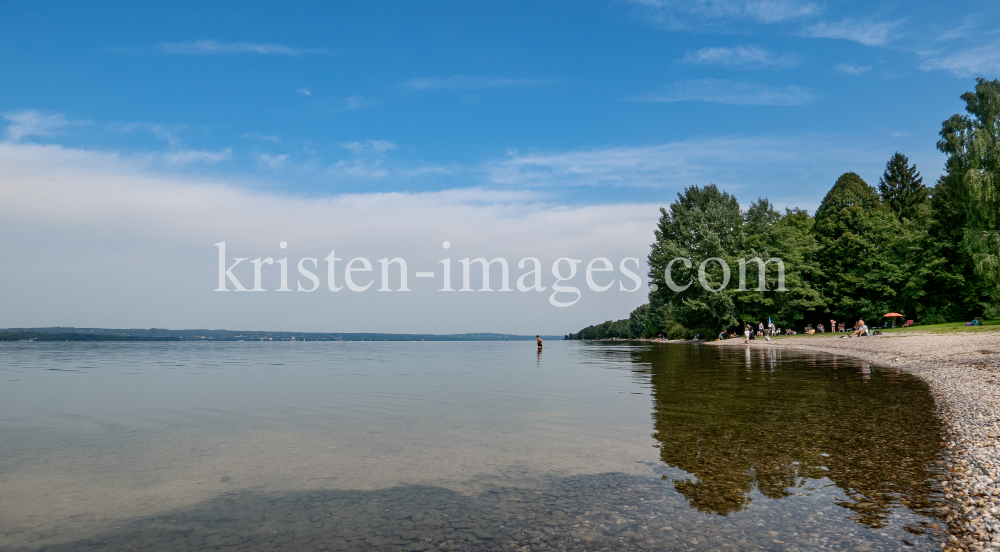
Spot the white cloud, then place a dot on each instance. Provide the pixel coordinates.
(164, 133)
(793, 171)
(369, 159)
(463, 82)
(672, 165)
(167, 133)
(701, 13)
(197, 156)
(853, 69)
(741, 57)
(304, 91)
(273, 161)
(103, 242)
(865, 31)
(32, 122)
(372, 160)
(214, 47)
(965, 62)
(728, 92)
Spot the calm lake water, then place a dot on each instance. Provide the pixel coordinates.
(459, 446)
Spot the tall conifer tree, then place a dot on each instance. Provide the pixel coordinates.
(901, 187)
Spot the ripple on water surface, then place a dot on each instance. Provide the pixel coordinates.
(460, 446)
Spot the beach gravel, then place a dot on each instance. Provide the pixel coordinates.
(963, 372)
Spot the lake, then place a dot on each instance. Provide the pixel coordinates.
(460, 446)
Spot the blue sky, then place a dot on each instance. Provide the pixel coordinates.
(329, 98)
(134, 135)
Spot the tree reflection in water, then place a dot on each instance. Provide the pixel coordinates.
(739, 421)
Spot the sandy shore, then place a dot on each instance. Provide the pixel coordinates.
(963, 371)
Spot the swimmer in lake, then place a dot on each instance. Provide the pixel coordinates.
(539, 338)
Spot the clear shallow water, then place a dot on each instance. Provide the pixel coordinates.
(458, 446)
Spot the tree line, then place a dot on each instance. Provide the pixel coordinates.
(929, 253)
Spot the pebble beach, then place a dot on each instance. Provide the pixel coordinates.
(963, 372)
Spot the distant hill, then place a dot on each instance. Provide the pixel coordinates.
(160, 334)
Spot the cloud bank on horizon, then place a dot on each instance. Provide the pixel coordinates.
(96, 239)
(131, 143)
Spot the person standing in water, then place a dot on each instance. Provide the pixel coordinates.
(539, 338)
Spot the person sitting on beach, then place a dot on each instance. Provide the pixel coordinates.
(820, 328)
(861, 331)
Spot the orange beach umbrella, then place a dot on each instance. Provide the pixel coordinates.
(893, 315)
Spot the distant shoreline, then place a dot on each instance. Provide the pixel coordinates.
(198, 335)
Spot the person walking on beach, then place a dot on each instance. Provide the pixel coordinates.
(746, 335)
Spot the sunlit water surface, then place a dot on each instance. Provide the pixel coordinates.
(459, 446)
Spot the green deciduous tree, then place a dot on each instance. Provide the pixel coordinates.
(704, 223)
(769, 234)
(857, 237)
(706, 226)
(626, 328)
(972, 143)
(637, 321)
(932, 254)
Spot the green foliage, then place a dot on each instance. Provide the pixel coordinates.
(706, 224)
(942, 285)
(637, 321)
(641, 323)
(674, 330)
(626, 328)
(769, 234)
(858, 250)
(703, 223)
(972, 143)
(902, 188)
(933, 255)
